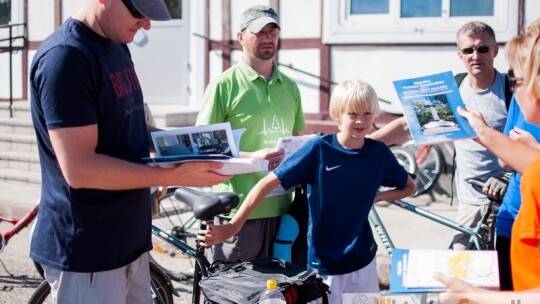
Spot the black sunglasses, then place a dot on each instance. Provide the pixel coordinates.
(512, 80)
(134, 12)
(480, 49)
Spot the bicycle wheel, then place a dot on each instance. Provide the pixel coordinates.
(41, 294)
(429, 160)
(177, 219)
(37, 265)
(162, 291)
(405, 158)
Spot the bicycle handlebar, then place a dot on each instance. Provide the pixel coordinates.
(475, 182)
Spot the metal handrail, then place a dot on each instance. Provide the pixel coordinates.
(11, 48)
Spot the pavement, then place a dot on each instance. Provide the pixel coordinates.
(16, 199)
(407, 230)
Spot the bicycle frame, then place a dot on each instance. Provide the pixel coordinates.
(475, 237)
(198, 253)
(18, 225)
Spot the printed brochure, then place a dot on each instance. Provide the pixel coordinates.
(412, 270)
(213, 142)
(290, 145)
(429, 105)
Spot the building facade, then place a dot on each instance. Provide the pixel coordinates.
(322, 43)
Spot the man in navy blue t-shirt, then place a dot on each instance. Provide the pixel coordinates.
(93, 230)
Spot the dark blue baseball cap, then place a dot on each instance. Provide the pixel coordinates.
(152, 9)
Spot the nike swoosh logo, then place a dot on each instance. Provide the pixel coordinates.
(332, 168)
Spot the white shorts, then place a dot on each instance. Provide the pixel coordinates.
(362, 281)
(125, 285)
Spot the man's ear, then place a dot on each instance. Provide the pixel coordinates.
(240, 38)
(496, 50)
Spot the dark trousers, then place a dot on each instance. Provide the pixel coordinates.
(502, 245)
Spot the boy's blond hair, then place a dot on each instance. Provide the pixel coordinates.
(353, 96)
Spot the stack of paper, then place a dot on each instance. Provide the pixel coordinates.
(213, 142)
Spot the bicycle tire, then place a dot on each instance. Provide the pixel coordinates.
(405, 158)
(41, 294)
(38, 266)
(429, 161)
(162, 291)
(177, 219)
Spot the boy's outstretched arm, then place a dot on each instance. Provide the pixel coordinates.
(219, 233)
(394, 194)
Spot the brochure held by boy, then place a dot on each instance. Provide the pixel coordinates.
(290, 145)
(430, 107)
(214, 142)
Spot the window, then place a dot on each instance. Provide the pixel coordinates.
(413, 21)
(175, 8)
(5, 11)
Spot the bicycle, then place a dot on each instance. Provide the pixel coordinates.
(430, 163)
(177, 219)
(18, 225)
(161, 288)
(481, 236)
(205, 206)
(430, 159)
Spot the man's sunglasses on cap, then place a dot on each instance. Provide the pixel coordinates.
(134, 12)
(480, 49)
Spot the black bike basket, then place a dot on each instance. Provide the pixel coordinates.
(245, 282)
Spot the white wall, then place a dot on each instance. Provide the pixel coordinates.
(299, 19)
(381, 65)
(306, 60)
(532, 11)
(70, 7)
(40, 19)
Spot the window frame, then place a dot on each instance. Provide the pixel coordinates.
(340, 27)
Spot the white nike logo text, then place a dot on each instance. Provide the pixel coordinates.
(332, 168)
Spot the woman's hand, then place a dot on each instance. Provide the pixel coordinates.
(525, 137)
(476, 120)
(456, 288)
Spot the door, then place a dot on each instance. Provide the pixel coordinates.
(161, 57)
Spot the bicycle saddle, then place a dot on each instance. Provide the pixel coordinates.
(207, 205)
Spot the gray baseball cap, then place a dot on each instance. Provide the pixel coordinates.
(257, 17)
(152, 9)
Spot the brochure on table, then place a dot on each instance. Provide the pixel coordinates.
(429, 105)
(215, 142)
(289, 145)
(412, 270)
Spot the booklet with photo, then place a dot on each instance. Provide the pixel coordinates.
(412, 270)
(214, 142)
(429, 105)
